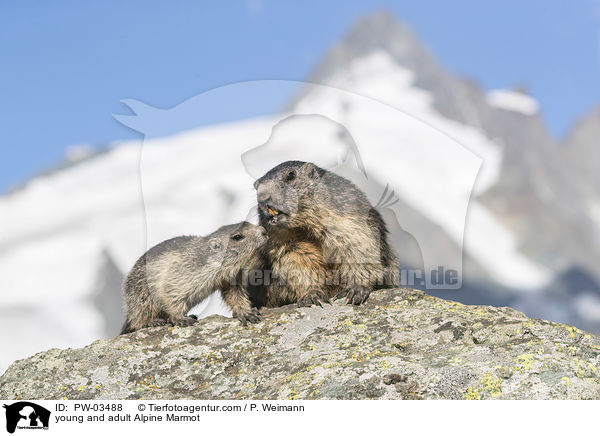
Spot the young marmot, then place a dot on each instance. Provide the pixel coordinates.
(175, 275)
(325, 238)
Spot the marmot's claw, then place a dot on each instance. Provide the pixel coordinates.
(355, 294)
(313, 298)
(341, 294)
(252, 316)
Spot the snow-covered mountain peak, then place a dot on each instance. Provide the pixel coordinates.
(376, 33)
(513, 101)
(381, 31)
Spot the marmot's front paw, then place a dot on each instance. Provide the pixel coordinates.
(252, 316)
(314, 297)
(185, 321)
(356, 294)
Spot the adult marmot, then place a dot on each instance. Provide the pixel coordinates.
(325, 238)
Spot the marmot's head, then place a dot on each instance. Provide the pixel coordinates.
(234, 245)
(286, 192)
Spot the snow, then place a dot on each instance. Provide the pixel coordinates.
(495, 248)
(48, 324)
(587, 306)
(76, 153)
(379, 77)
(594, 211)
(512, 101)
(135, 195)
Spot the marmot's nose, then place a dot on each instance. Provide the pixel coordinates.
(262, 194)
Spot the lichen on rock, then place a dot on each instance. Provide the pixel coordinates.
(401, 344)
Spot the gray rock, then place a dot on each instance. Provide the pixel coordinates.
(400, 344)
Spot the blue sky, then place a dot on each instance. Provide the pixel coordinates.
(65, 66)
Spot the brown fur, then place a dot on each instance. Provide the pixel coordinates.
(298, 269)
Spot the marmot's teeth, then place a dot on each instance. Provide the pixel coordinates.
(272, 211)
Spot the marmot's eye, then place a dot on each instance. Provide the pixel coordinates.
(237, 237)
(290, 176)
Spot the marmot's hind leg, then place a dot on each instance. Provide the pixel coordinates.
(156, 322)
(183, 321)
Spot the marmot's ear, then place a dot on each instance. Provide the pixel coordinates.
(256, 184)
(215, 244)
(313, 171)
